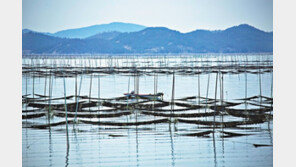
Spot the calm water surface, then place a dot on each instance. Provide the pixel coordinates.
(147, 145)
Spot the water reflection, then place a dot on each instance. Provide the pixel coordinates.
(135, 146)
(172, 145)
(67, 154)
(67, 148)
(214, 148)
(191, 149)
(50, 146)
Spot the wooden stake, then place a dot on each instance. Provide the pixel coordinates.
(207, 92)
(45, 78)
(75, 118)
(215, 102)
(173, 93)
(198, 87)
(90, 85)
(66, 108)
(99, 92)
(76, 87)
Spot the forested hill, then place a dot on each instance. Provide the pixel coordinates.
(238, 39)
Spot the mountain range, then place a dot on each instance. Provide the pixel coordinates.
(85, 32)
(132, 38)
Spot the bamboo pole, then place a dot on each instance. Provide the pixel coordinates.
(154, 97)
(222, 99)
(49, 84)
(67, 132)
(128, 91)
(45, 78)
(259, 78)
(214, 121)
(99, 92)
(26, 84)
(49, 94)
(156, 86)
(209, 76)
(260, 87)
(135, 82)
(76, 87)
(246, 89)
(173, 93)
(271, 89)
(220, 86)
(90, 85)
(75, 118)
(33, 91)
(198, 76)
(135, 90)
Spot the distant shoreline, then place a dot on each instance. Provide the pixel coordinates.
(144, 54)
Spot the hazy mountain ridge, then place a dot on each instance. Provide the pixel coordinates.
(243, 38)
(85, 32)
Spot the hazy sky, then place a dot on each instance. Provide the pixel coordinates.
(181, 15)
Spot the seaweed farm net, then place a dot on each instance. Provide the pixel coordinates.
(208, 102)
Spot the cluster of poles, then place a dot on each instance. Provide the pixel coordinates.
(110, 63)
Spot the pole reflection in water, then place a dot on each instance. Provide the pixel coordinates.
(50, 147)
(76, 141)
(67, 153)
(137, 146)
(172, 145)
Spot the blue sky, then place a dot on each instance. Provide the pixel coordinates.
(181, 15)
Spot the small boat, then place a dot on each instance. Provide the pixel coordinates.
(157, 96)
